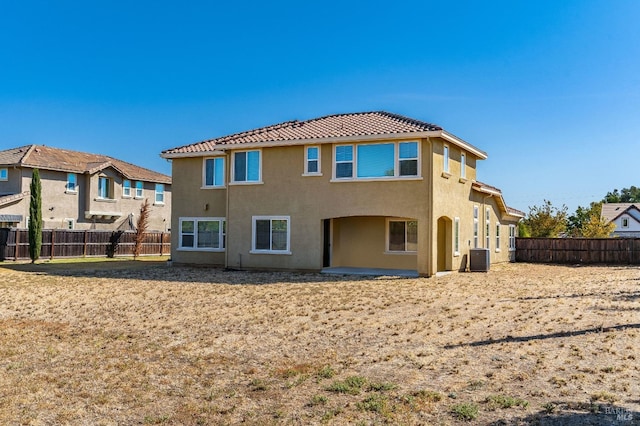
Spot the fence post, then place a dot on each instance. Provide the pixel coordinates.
(53, 239)
(17, 245)
(84, 248)
(161, 243)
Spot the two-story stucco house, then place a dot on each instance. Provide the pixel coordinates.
(626, 217)
(81, 190)
(363, 190)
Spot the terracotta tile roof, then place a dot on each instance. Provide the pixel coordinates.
(11, 157)
(330, 126)
(48, 158)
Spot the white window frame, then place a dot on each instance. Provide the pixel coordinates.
(445, 159)
(204, 173)
(487, 229)
(109, 188)
(139, 190)
(254, 221)
(497, 236)
(222, 234)
(456, 236)
(396, 162)
(352, 162)
(4, 173)
(463, 165)
(476, 227)
(68, 187)
(233, 168)
(512, 237)
(388, 236)
(159, 193)
(624, 222)
(126, 188)
(308, 160)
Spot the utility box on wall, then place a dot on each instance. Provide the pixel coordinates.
(479, 260)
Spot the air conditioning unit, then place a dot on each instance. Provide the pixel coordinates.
(479, 260)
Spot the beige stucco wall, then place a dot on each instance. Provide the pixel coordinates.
(454, 197)
(13, 184)
(361, 242)
(191, 200)
(308, 200)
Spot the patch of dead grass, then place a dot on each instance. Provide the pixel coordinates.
(152, 344)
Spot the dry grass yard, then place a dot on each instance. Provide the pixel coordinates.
(115, 343)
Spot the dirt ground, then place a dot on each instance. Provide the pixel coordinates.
(146, 343)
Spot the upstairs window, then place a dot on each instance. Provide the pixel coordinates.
(625, 222)
(445, 159)
(377, 160)
(213, 172)
(246, 166)
(463, 166)
(344, 161)
(408, 158)
(159, 193)
(402, 235)
(312, 160)
(4, 173)
(126, 188)
(104, 188)
(139, 188)
(72, 182)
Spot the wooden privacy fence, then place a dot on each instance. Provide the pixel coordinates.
(578, 250)
(56, 243)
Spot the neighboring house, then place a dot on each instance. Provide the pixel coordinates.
(81, 190)
(626, 217)
(363, 190)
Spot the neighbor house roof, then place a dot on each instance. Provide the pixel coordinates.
(48, 158)
(611, 211)
(495, 192)
(11, 198)
(376, 125)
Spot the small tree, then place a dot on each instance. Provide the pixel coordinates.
(141, 227)
(35, 216)
(597, 227)
(626, 195)
(546, 221)
(588, 223)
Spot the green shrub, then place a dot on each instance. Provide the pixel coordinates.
(351, 385)
(465, 411)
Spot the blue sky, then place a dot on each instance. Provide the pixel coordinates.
(550, 89)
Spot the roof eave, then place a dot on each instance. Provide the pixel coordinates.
(335, 139)
(463, 144)
(208, 153)
(500, 199)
